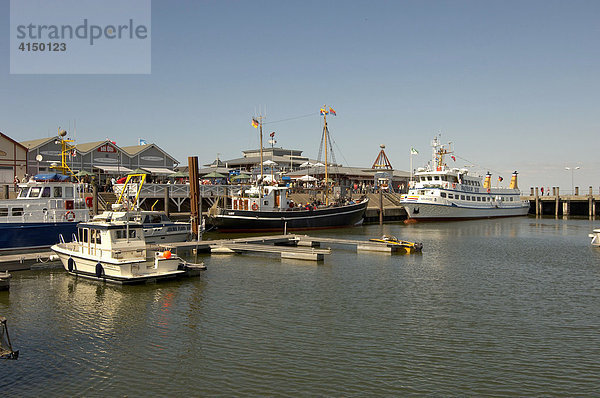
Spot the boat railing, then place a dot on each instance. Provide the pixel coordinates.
(175, 190)
(121, 254)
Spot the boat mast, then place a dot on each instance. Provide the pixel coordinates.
(326, 162)
(260, 118)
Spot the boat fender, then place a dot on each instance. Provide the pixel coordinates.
(254, 206)
(70, 216)
(89, 201)
(291, 205)
(99, 270)
(71, 265)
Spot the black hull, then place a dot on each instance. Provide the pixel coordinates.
(330, 217)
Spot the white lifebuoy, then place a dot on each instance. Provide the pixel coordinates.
(254, 206)
(70, 216)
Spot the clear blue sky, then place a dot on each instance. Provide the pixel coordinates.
(513, 84)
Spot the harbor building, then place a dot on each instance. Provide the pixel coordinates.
(13, 160)
(102, 158)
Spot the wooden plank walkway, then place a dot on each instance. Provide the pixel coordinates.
(24, 261)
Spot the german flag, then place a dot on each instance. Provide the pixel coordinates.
(254, 123)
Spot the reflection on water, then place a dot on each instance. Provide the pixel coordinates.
(490, 307)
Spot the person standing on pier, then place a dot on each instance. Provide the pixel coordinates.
(542, 191)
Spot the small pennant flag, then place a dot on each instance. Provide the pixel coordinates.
(500, 179)
(143, 142)
(453, 158)
(332, 111)
(254, 123)
(413, 151)
(324, 112)
(272, 134)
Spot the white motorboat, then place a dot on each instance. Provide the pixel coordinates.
(443, 193)
(113, 249)
(595, 235)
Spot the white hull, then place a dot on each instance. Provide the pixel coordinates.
(430, 211)
(126, 270)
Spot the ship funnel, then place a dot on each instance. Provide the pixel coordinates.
(513, 181)
(487, 183)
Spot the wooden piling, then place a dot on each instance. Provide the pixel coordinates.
(94, 199)
(380, 205)
(167, 200)
(556, 202)
(194, 194)
(537, 201)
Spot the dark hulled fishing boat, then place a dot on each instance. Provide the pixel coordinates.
(268, 208)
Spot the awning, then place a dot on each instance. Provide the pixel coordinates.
(158, 170)
(113, 169)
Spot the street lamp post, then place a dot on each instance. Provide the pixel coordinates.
(572, 171)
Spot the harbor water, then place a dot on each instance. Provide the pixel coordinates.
(491, 307)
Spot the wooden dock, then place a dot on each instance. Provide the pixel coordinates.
(291, 246)
(25, 261)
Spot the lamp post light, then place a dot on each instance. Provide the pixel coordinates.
(572, 171)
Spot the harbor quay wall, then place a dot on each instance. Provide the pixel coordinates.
(555, 203)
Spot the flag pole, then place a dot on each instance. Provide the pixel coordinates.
(411, 168)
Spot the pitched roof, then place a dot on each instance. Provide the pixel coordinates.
(88, 146)
(32, 144)
(13, 141)
(135, 149)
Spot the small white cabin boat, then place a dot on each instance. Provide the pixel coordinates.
(113, 249)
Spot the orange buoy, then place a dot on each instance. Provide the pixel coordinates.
(167, 254)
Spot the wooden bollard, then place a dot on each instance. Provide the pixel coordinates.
(537, 202)
(576, 191)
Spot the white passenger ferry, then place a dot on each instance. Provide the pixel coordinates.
(439, 192)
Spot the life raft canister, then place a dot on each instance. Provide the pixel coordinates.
(254, 206)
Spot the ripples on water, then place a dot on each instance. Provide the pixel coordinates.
(491, 307)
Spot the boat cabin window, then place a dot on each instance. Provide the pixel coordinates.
(153, 218)
(83, 235)
(17, 211)
(23, 192)
(46, 192)
(479, 198)
(95, 234)
(468, 198)
(3, 211)
(69, 192)
(436, 178)
(122, 233)
(58, 192)
(429, 178)
(443, 194)
(450, 196)
(34, 192)
(462, 197)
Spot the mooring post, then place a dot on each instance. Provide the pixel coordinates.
(531, 194)
(576, 191)
(194, 194)
(590, 204)
(380, 205)
(556, 202)
(167, 200)
(95, 199)
(537, 201)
